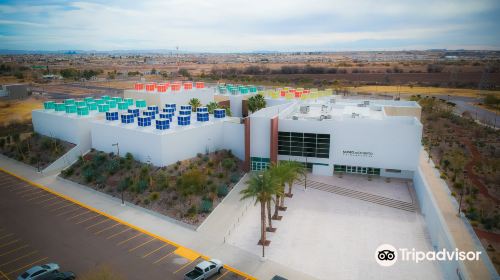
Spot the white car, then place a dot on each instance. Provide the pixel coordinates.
(204, 270)
(39, 270)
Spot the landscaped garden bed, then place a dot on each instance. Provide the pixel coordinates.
(187, 190)
(22, 144)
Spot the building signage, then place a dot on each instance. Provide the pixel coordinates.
(357, 154)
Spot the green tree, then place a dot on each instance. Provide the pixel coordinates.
(261, 187)
(281, 172)
(195, 103)
(256, 103)
(297, 171)
(228, 164)
(212, 106)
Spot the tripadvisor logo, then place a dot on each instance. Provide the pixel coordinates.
(387, 255)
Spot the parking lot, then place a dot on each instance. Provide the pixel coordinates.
(37, 227)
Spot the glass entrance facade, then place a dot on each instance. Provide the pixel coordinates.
(356, 169)
(304, 144)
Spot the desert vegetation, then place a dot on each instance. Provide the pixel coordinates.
(187, 190)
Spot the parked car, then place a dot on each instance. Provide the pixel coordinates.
(38, 271)
(204, 270)
(68, 275)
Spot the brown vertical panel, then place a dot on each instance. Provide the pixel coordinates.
(244, 107)
(246, 121)
(274, 140)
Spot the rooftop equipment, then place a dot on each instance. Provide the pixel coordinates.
(92, 106)
(49, 105)
(122, 106)
(171, 105)
(150, 87)
(105, 97)
(166, 116)
(188, 85)
(127, 118)
(140, 103)
(111, 103)
(70, 108)
(163, 124)
(69, 101)
(186, 107)
(80, 103)
(200, 84)
(184, 120)
(83, 111)
(201, 109)
(117, 99)
(100, 101)
(134, 111)
(304, 109)
(60, 107)
(103, 108)
(149, 114)
(90, 99)
(139, 86)
(153, 108)
(161, 88)
(144, 121)
(202, 116)
(129, 101)
(185, 112)
(220, 113)
(112, 116)
(169, 110)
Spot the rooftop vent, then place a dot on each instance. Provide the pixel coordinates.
(295, 118)
(163, 124)
(304, 109)
(220, 113)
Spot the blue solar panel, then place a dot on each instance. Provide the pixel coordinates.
(153, 108)
(112, 116)
(162, 124)
(134, 112)
(168, 110)
(151, 114)
(185, 112)
(168, 116)
(201, 109)
(186, 107)
(220, 113)
(144, 121)
(127, 118)
(184, 120)
(202, 117)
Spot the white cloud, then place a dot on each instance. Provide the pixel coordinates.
(232, 25)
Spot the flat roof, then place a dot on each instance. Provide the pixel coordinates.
(339, 109)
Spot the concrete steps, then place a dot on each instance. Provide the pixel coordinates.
(368, 197)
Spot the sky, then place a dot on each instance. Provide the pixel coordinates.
(250, 25)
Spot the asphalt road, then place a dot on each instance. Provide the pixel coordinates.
(38, 227)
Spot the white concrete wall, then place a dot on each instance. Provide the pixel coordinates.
(68, 127)
(393, 142)
(166, 147)
(260, 137)
(182, 97)
(235, 104)
(234, 138)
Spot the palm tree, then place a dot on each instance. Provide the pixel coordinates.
(212, 106)
(257, 102)
(297, 171)
(281, 173)
(195, 103)
(261, 187)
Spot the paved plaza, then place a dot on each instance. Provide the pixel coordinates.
(330, 236)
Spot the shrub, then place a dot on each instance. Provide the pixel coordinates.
(199, 155)
(220, 175)
(88, 174)
(206, 206)
(2, 142)
(141, 186)
(129, 156)
(113, 166)
(235, 178)
(222, 191)
(145, 201)
(124, 184)
(205, 159)
(192, 211)
(154, 196)
(68, 172)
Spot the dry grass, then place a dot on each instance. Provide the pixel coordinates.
(18, 110)
(421, 90)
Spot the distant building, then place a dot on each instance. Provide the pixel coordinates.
(52, 77)
(14, 91)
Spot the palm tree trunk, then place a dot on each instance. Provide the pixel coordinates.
(263, 225)
(290, 184)
(269, 217)
(276, 206)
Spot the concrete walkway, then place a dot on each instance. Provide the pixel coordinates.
(207, 240)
